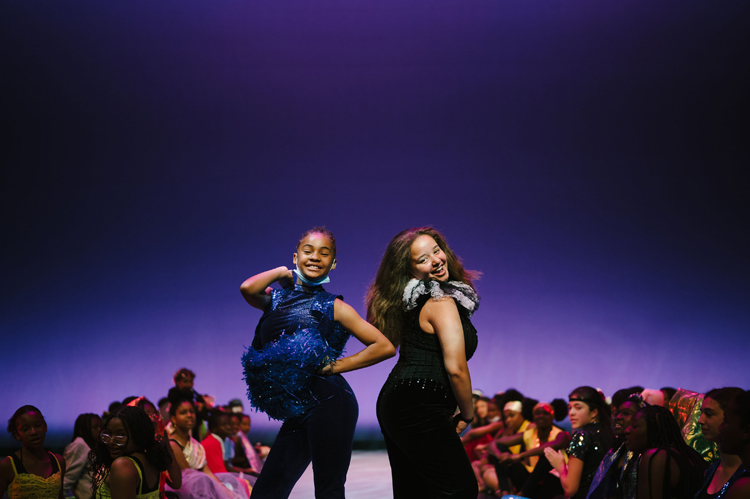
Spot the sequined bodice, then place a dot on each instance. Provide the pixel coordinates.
(420, 355)
(296, 308)
(589, 444)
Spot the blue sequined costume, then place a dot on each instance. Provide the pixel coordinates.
(295, 335)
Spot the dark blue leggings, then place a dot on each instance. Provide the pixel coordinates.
(324, 436)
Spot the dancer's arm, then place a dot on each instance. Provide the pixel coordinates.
(257, 290)
(443, 316)
(377, 346)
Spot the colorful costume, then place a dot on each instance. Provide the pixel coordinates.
(197, 484)
(296, 335)
(609, 478)
(144, 491)
(29, 486)
(416, 404)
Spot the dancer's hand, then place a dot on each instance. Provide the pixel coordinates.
(287, 278)
(461, 426)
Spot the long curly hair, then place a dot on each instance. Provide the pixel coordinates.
(385, 307)
(82, 428)
(140, 430)
(663, 433)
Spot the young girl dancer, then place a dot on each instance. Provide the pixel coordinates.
(423, 298)
(31, 471)
(293, 369)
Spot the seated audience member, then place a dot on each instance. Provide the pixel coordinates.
(129, 458)
(150, 409)
(77, 481)
(219, 427)
(686, 409)
(667, 466)
(734, 434)
(198, 481)
(513, 423)
(163, 404)
(247, 456)
(235, 406)
(617, 474)
(31, 471)
(722, 473)
(529, 472)
(592, 438)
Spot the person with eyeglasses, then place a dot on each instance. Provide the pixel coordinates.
(128, 459)
(31, 471)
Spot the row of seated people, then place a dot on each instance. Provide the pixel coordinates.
(644, 444)
(165, 458)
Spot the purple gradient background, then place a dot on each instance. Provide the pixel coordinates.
(590, 158)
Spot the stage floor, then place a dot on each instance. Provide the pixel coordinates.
(369, 478)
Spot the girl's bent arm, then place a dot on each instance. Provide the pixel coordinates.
(256, 290)
(377, 346)
(443, 316)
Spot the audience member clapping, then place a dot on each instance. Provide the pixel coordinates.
(590, 417)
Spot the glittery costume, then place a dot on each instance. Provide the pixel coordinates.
(295, 335)
(686, 408)
(29, 486)
(589, 444)
(709, 475)
(611, 481)
(415, 405)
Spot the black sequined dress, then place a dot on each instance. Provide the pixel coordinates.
(589, 444)
(416, 404)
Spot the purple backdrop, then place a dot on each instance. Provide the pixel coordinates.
(589, 158)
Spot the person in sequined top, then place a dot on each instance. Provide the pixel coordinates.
(293, 369)
(668, 467)
(735, 439)
(592, 438)
(618, 473)
(422, 299)
(728, 468)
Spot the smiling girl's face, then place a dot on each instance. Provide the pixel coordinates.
(315, 256)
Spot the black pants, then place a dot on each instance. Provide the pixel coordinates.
(426, 455)
(324, 436)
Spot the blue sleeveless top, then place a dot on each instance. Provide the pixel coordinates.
(295, 335)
